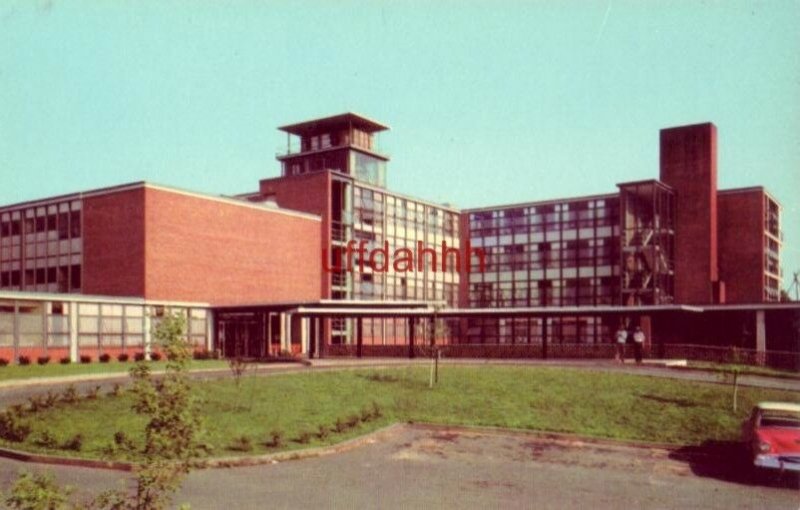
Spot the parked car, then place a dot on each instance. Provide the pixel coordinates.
(772, 436)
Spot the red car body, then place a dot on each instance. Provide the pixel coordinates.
(772, 435)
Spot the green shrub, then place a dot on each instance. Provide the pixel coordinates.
(12, 427)
(70, 395)
(92, 393)
(115, 390)
(75, 443)
(46, 440)
(124, 442)
(340, 425)
(275, 439)
(38, 492)
(242, 444)
(304, 437)
(50, 399)
(323, 432)
(36, 403)
(376, 411)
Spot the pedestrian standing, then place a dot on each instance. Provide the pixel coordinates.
(638, 344)
(621, 337)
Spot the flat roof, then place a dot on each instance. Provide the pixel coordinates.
(16, 295)
(171, 189)
(564, 311)
(356, 120)
(541, 202)
(338, 304)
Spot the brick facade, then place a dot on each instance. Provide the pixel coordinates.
(689, 166)
(162, 244)
(741, 244)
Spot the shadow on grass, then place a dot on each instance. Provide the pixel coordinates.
(729, 461)
(680, 402)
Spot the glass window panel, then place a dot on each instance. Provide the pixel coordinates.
(87, 324)
(87, 340)
(134, 340)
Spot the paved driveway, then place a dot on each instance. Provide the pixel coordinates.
(423, 468)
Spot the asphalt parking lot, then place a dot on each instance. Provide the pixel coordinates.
(439, 468)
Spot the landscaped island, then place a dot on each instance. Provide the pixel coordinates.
(290, 411)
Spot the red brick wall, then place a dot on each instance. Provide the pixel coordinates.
(206, 250)
(689, 165)
(741, 245)
(309, 193)
(113, 244)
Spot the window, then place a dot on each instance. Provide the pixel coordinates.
(75, 223)
(75, 277)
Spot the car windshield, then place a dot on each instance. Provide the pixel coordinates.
(783, 419)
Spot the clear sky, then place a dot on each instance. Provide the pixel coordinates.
(489, 102)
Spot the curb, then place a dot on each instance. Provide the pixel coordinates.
(222, 462)
(36, 458)
(571, 440)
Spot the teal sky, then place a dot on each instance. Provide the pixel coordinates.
(489, 102)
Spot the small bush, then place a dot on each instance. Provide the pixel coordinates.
(122, 441)
(139, 356)
(24, 360)
(353, 421)
(85, 358)
(38, 491)
(275, 439)
(376, 411)
(323, 432)
(75, 443)
(123, 357)
(66, 360)
(155, 356)
(43, 360)
(3, 362)
(36, 403)
(104, 358)
(115, 390)
(304, 437)
(366, 415)
(12, 428)
(50, 399)
(46, 440)
(70, 394)
(92, 393)
(242, 444)
(340, 425)
(201, 355)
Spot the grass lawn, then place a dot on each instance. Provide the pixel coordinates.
(597, 404)
(56, 369)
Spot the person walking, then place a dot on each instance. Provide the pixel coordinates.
(621, 337)
(638, 344)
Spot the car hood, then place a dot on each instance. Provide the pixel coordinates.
(783, 440)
